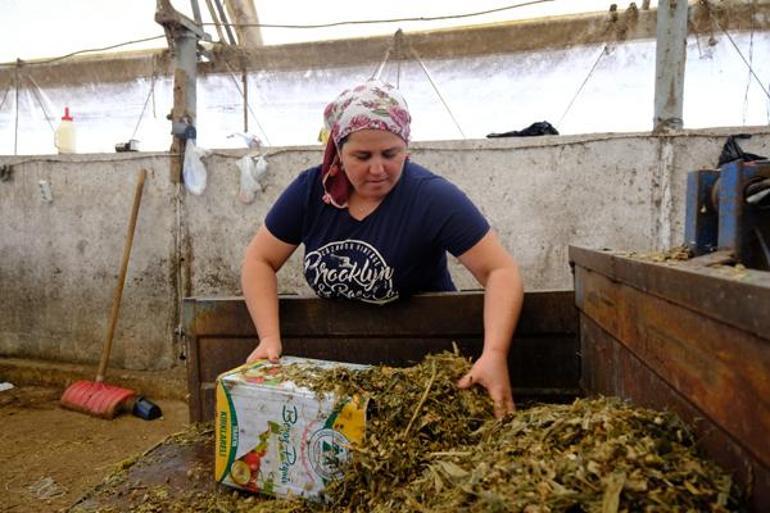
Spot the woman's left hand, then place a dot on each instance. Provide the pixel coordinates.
(491, 372)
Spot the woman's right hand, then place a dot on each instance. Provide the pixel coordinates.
(267, 348)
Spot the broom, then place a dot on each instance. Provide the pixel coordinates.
(96, 397)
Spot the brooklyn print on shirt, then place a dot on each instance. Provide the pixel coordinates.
(350, 269)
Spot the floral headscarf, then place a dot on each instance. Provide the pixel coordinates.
(373, 104)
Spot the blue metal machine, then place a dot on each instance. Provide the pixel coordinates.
(728, 210)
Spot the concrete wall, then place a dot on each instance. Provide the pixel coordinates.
(59, 260)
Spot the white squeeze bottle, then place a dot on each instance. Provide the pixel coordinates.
(64, 137)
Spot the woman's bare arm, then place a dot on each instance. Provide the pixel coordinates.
(264, 256)
(498, 273)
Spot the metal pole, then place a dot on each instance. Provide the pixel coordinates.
(185, 99)
(216, 21)
(671, 56)
(225, 24)
(196, 11)
(183, 35)
(245, 81)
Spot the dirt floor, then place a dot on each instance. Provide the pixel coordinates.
(51, 457)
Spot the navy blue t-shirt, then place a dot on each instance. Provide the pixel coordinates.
(397, 250)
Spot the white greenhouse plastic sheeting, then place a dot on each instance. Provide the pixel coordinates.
(63, 27)
(495, 93)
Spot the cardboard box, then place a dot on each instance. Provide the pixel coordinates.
(277, 438)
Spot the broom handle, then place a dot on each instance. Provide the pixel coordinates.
(122, 277)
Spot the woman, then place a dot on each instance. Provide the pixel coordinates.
(377, 227)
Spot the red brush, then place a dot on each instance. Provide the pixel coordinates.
(98, 399)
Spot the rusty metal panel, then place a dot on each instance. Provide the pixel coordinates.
(738, 298)
(543, 361)
(422, 315)
(539, 362)
(609, 368)
(688, 337)
(394, 350)
(723, 371)
(218, 353)
(599, 361)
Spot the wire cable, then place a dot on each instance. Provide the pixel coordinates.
(38, 94)
(272, 25)
(225, 24)
(213, 15)
(435, 88)
(751, 61)
(310, 26)
(585, 81)
(5, 95)
(150, 94)
(748, 64)
(88, 158)
(238, 86)
(395, 50)
(389, 20)
(378, 71)
(62, 57)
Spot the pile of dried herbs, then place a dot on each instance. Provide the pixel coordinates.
(430, 447)
(675, 254)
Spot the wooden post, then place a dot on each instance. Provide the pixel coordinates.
(244, 16)
(671, 55)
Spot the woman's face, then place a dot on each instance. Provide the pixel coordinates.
(373, 161)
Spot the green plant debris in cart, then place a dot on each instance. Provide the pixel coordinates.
(430, 447)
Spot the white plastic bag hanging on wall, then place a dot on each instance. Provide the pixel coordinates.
(193, 169)
(252, 169)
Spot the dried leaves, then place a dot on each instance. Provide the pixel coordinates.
(675, 254)
(594, 455)
(433, 448)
